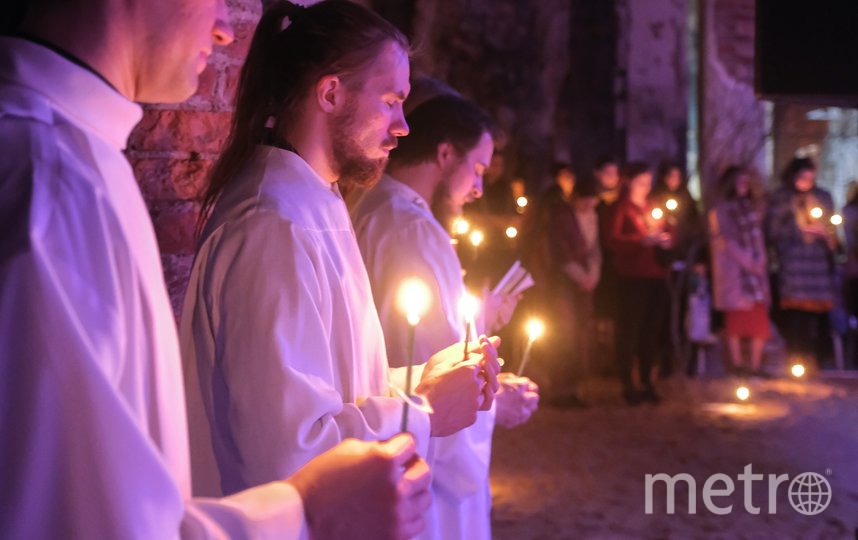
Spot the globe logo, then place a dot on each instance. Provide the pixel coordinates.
(809, 493)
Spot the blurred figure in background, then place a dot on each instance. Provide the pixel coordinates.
(804, 243)
(850, 272)
(633, 236)
(683, 220)
(607, 180)
(739, 267)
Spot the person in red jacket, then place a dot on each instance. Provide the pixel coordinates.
(636, 231)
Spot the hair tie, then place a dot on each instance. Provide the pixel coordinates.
(294, 11)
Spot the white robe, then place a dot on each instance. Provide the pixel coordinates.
(400, 238)
(283, 350)
(93, 440)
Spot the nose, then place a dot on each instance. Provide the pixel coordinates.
(222, 32)
(399, 127)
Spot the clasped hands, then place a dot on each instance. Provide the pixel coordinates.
(458, 387)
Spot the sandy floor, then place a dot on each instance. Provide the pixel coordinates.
(580, 473)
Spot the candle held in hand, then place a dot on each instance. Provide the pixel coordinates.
(414, 299)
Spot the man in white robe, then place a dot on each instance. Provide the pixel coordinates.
(440, 164)
(92, 412)
(284, 352)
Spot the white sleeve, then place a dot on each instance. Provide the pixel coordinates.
(268, 304)
(75, 460)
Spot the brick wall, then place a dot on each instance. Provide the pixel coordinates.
(734, 127)
(173, 148)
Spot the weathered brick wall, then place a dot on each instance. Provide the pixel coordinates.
(734, 127)
(174, 147)
(653, 57)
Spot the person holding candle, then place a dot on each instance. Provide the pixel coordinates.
(284, 351)
(401, 230)
(682, 218)
(804, 244)
(92, 415)
(740, 281)
(633, 236)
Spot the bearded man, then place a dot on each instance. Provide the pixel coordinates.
(284, 351)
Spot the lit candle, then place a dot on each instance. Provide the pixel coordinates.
(797, 371)
(671, 204)
(521, 202)
(743, 393)
(657, 213)
(511, 232)
(477, 238)
(413, 299)
(836, 219)
(816, 212)
(461, 226)
(534, 328)
(468, 307)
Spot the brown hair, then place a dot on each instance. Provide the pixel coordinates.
(283, 64)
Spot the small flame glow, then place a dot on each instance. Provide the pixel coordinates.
(477, 238)
(414, 298)
(743, 393)
(671, 204)
(657, 213)
(511, 232)
(534, 328)
(816, 212)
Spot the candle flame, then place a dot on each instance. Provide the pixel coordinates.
(511, 232)
(797, 371)
(534, 328)
(816, 212)
(743, 393)
(414, 298)
(657, 213)
(477, 238)
(836, 219)
(461, 226)
(521, 201)
(671, 204)
(468, 307)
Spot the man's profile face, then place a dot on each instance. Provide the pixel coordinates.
(178, 37)
(365, 131)
(462, 181)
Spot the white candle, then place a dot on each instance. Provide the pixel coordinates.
(534, 328)
(414, 298)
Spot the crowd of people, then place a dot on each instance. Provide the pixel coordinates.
(301, 396)
(620, 255)
(298, 397)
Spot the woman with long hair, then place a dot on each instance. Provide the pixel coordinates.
(739, 267)
(804, 242)
(633, 236)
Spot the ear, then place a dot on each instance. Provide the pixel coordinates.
(446, 154)
(330, 93)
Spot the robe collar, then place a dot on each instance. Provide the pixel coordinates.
(76, 92)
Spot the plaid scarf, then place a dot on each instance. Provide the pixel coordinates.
(748, 221)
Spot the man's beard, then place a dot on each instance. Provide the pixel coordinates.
(349, 160)
(443, 207)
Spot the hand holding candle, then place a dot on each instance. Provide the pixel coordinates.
(413, 299)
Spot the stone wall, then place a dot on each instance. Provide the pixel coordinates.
(654, 60)
(174, 146)
(734, 123)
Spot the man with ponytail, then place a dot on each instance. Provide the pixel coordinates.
(92, 413)
(283, 348)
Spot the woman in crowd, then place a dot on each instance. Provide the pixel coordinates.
(633, 236)
(670, 194)
(739, 267)
(804, 242)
